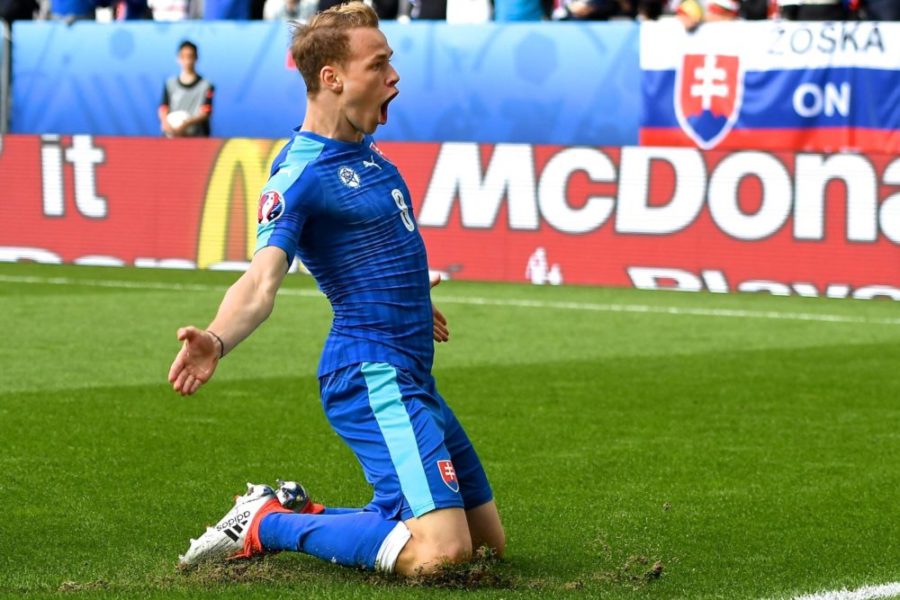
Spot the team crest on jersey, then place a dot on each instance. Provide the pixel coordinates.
(348, 177)
(448, 474)
(709, 89)
(271, 206)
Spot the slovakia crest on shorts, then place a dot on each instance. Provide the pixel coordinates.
(271, 206)
(448, 474)
(708, 93)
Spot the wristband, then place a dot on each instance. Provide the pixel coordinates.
(221, 343)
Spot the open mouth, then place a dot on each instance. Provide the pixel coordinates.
(384, 109)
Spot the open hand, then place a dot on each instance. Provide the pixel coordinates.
(441, 332)
(196, 361)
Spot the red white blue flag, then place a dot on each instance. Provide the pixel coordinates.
(772, 85)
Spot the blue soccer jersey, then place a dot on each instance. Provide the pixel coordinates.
(346, 212)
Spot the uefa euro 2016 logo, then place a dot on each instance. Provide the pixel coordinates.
(271, 206)
(708, 93)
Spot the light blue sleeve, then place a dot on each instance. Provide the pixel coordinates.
(289, 198)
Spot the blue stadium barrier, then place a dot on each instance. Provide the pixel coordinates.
(4, 77)
(558, 83)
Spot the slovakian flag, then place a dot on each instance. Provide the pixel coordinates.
(772, 85)
(708, 90)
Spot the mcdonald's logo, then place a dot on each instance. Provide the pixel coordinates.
(228, 224)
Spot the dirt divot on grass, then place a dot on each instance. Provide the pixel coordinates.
(484, 572)
(255, 570)
(635, 570)
(481, 572)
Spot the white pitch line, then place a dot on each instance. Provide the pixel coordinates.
(671, 310)
(479, 301)
(869, 592)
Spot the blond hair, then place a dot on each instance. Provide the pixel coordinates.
(324, 39)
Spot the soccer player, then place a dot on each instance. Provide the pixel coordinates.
(337, 203)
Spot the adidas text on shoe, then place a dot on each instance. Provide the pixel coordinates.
(236, 534)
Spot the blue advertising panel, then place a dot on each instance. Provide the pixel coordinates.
(4, 76)
(555, 83)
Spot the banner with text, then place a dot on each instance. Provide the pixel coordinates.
(675, 218)
(822, 86)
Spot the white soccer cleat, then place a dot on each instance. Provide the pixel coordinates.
(227, 539)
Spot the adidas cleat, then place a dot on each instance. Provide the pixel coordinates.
(236, 535)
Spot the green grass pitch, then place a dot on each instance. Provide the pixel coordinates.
(736, 446)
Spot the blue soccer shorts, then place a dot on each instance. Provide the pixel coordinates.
(412, 448)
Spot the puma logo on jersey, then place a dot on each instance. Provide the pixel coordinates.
(371, 163)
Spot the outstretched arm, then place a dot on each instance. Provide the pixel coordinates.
(245, 306)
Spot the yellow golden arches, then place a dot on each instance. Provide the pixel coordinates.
(252, 159)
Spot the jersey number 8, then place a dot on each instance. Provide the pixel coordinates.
(404, 210)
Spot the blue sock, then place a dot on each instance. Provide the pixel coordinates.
(350, 539)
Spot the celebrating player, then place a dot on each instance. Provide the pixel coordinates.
(337, 203)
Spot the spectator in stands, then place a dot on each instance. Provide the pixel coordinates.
(17, 10)
(468, 11)
(169, 10)
(650, 10)
(326, 4)
(73, 10)
(590, 10)
(881, 10)
(385, 9)
(691, 13)
(228, 10)
(518, 10)
(290, 10)
(429, 10)
(186, 105)
(131, 10)
(813, 10)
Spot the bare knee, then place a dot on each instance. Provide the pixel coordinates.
(438, 538)
(423, 558)
(455, 552)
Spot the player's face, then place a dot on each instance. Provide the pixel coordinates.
(370, 82)
(187, 58)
